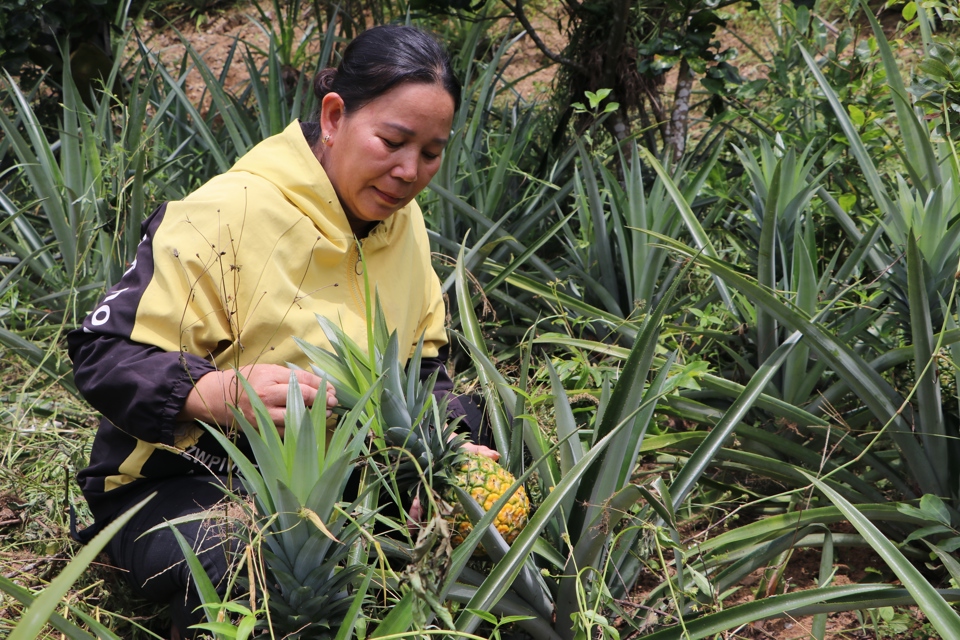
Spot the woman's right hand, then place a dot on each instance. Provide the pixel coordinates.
(214, 393)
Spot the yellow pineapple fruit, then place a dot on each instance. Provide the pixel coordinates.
(486, 481)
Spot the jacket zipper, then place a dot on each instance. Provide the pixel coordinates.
(354, 274)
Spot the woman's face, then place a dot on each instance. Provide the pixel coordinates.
(382, 155)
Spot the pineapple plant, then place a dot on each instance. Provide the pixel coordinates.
(296, 485)
(421, 449)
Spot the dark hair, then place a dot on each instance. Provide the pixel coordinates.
(382, 58)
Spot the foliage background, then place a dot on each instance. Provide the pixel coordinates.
(760, 268)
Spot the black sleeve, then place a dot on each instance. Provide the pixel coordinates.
(139, 388)
(465, 407)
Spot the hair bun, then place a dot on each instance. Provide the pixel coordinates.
(323, 83)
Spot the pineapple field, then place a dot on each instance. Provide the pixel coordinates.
(701, 266)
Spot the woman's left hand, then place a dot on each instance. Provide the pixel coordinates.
(481, 450)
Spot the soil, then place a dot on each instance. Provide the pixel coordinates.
(9, 513)
(212, 39)
(801, 573)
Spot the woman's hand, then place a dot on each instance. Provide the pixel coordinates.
(214, 394)
(481, 450)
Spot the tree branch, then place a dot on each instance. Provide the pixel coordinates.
(518, 11)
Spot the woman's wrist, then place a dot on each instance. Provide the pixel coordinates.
(207, 401)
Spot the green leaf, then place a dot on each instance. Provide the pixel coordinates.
(572, 450)
(399, 620)
(875, 392)
(870, 173)
(499, 423)
(919, 156)
(665, 512)
(923, 532)
(950, 545)
(219, 629)
(486, 616)
(755, 557)
(58, 622)
(940, 614)
(509, 605)
(690, 219)
(632, 404)
(847, 200)
(46, 360)
(946, 557)
(349, 624)
(909, 11)
(567, 302)
(766, 264)
(884, 596)
(931, 425)
(770, 607)
(589, 197)
(204, 586)
(934, 507)
(684, 482)
(827, 570)
(703, 584)
(856, 115)
(772, 526)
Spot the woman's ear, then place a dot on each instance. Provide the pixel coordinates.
(332, 114)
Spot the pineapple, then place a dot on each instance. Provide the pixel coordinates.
(416, 442)
(486, 481)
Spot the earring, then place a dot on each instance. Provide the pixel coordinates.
(326, 139)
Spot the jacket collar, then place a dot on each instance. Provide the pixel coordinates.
(287, 161)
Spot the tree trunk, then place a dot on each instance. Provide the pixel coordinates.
(619, 122)
(680, 117)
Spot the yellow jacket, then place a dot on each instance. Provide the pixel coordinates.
(249, 259)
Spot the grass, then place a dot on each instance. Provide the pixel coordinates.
(45, 437)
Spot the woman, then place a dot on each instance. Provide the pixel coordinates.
(224, 279)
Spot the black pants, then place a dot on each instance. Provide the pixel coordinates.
(154, 564)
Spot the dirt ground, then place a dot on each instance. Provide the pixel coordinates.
(853, 565)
